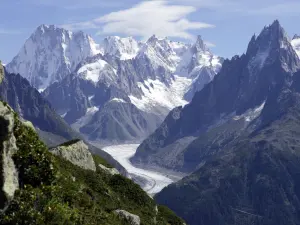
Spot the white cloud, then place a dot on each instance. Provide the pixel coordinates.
(209, 44)
(145, 19)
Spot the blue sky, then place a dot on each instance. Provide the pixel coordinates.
(227, 25)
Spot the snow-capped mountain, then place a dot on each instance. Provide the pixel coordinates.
(296, 44)
(248, 88)
(163, 74)
(196, 58)
(50, 54)
(124, 48)
(83, 78)
(200, 65)
(159, 75)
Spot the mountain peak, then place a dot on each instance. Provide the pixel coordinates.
(276, 23)
(123, 48)
(45, 27)
(274, 32)
(50, 54)
(296, 36)
(200, 45)
(272, 37)
(270, 46)
(152, 39)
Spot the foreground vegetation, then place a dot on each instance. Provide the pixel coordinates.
(54, 191)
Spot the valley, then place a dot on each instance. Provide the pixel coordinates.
(144, 131)
(154, 182)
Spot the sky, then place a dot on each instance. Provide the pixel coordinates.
(225, 25)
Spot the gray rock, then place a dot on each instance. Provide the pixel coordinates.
(27, 124)
(111, 171)
(1, 72)
(46, 52)
(77, 153)
(30, 105)
(120, 122)
(131, 218)
(244, 83)
(9, 177)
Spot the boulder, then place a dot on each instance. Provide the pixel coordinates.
(9, 176)
(130, 218)
(76, 152)
(111, 171)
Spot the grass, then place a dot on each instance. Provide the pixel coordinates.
(53, 191)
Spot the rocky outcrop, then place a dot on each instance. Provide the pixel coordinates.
(111, 171)
(50, 54)
(9, 175)
(1, 72)
(77, 152)
(27, 123)
(30, 105)
(130, 218)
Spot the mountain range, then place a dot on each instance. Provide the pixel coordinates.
(119, 90)
(238, 139)
(239, 91)
(231, 125)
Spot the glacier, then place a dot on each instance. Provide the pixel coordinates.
(155, 181)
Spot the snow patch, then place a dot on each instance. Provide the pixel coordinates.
(91, 97)
(124, 48)
(296, 45)
(63, 115)
(158, 94)
(41, 90)
(91, 71)
(118, 100)
(251, 114)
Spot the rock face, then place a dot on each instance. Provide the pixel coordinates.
(245, 157)
(242, 88)
(77, 153)
(111, 171)
(30, 105)
(1, 72)
(9, 176)
(124, 93)
(50, 54)
(249, 180)
(130, 218)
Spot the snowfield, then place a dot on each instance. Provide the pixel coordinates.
(122, 153)
(158, 95)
